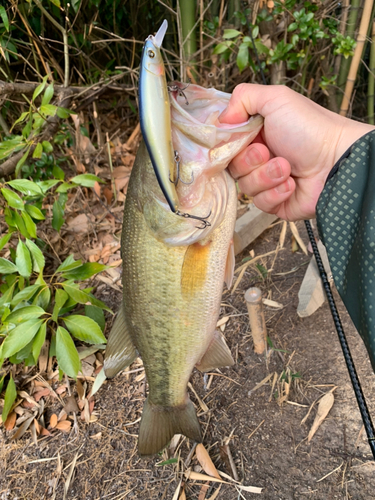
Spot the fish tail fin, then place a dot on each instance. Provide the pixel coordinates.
(159, 424)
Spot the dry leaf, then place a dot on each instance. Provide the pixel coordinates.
(64, 425)
(296, 235)
(108, 193)
(79, 224)
(204, 459)
(215, 494)
(44, 392)
(21, 431)
(53, 420)
(10, 422)
(204, 489)
(325, 404)
(37, 426)
(44, 431)
(97, 188)
(176, 493)
(96, 436)
(71, 404)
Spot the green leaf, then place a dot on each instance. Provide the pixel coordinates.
(43, 298)
(38, 150)
(39, 88)
(58, 173)
(66, 353)
(23, 260)
(57, 216)
(64, 113)
(86, 180)
(46, 185)
(48, 94)
(20, 224)
(29, 224)
(7, 267)
(10, 397)
(82, 297)
(47, 147)
(2, 381)
(242, 57)
(64, 187)
(13, 199)
(22, 161)
(85, 271)
(27, 128)
(4, 240)
(4, 17)
(24, 314)
(222, 47)
(60, 298)
(25, 294)
(39, 339)
(37, 256)
(48, 109)
(21, 118)
(56, 2)
(255, 31)
(96, 314)
(68, 264)
(34, 212)
(231, 33)
(85, 329)
(26, 187)
(20, 336)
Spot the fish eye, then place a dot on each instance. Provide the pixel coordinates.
(151, 53)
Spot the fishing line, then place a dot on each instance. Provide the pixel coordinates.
(365, 414)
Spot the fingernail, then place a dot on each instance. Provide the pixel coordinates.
(283, 188)
(274, 170)
(253, 157)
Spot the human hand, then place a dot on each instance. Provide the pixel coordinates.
(286, 166)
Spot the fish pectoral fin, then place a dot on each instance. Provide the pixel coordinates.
(120, 351)
(229, 266)
(159, 424)
(217, 355)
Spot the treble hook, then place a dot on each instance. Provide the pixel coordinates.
(177, 159)
(179, 90)
(203, 220)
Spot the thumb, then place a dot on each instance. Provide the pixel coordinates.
(247, 99)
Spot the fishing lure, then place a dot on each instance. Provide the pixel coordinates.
(155, 121)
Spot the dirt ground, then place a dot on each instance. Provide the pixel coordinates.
(266, 438)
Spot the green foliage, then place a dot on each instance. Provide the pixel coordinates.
(36, 304)
(344, 45)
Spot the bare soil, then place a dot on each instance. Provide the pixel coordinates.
(98, 460)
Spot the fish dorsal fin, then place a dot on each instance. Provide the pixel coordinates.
(229, 266)
(217, 355)
(120, 351)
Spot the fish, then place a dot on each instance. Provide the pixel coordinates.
(174, 271)
(174, 266)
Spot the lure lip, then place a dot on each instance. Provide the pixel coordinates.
(157, 40)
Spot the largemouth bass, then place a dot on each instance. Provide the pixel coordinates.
(173, 270)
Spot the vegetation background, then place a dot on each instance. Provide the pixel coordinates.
(68, 94)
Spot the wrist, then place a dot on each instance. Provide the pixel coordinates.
(350, 132)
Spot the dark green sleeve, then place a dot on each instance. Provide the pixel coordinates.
(346, 225)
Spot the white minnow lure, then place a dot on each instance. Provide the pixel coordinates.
(155, 120)
(155, 115)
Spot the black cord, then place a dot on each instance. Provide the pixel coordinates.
(344, 344)
(367, 422)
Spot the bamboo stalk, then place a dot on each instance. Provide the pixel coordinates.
(371, 79)
(361, 38)
(253, 298)
(350, 30)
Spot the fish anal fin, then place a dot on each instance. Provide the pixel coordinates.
(217, 355)
(159, 424)
(120, 351)
(229, 266)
